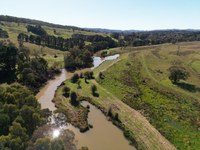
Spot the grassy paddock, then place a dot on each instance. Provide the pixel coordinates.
(141, 81)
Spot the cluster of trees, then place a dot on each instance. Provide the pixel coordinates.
(71, 94)
(38, 30)
(78, 59)
(87, 75)
(20, 116)
(155, 37)
(16, 65)
(3, 34)
(98, 42)
(52, 41)
(33, 73)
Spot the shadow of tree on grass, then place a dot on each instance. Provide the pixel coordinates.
(187, 86)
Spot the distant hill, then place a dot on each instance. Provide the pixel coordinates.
(102, 30)
(35, 22)
(111, 30)
(61, 37)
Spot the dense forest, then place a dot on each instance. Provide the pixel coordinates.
(16, 65)
(20, 116)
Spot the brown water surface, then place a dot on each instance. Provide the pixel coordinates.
(46, 94)
(104, 135)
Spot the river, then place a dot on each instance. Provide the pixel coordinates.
(104, 135)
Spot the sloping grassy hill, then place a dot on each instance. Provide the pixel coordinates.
(135, 126)
(141, 81)
(51, 55)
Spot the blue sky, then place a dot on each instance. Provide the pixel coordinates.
(111, 14)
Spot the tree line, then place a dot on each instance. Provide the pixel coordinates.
(97, 42)
(155, 37)
(51, 41)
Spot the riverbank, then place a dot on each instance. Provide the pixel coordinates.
(80, 120)
(135, 126)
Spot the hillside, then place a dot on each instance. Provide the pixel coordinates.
(142, 83)
(65, 38)
(14, 26)
(134, 91)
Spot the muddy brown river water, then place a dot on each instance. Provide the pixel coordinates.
(103, 136)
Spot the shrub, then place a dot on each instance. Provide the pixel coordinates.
(66, 91)
(74, 78)
(73, 97)
(94, 89)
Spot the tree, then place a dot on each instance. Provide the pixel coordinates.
(94, 89)
(4, 124)
(3, 34)
(57, 144)
(73, 98)
(8, 59)
(66, 91)
(17, 131)
(42, 144)
(27, 115)
(74, 78)
(79, 84)
(101, 76)
(89, 75)
(178, 73)
(81, 75)
(104, 54)
(110, 113)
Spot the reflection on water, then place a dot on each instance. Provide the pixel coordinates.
(56, 133)
(98, 60)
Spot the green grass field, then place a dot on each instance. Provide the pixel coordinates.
(141, 81)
